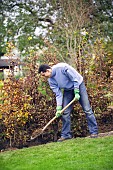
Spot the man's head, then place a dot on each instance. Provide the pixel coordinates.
(45, 70)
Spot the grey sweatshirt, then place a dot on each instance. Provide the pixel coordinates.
(64, 77)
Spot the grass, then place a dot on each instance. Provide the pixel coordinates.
(74, 154)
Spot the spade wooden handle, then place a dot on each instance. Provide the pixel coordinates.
(56, 117)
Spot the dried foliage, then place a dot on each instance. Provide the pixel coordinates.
(15, 109)
(28, 103)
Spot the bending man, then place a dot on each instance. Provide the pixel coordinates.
(63, 76)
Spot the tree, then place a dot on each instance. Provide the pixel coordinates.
(102, 18)
(70, 34)
(20, 19)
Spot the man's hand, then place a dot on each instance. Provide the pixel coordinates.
(77, 96)
(58, 112)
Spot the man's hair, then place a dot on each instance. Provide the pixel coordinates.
(43, 68)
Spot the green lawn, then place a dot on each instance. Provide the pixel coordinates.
(74, 154)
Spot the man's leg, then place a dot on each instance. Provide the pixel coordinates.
(66, 120)
(84, 101)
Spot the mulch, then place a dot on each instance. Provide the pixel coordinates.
(105, 134)
(100, 135)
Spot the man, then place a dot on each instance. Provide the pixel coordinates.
(63, 76)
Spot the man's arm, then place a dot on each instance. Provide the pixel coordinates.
(73, 75)
(57, 91)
